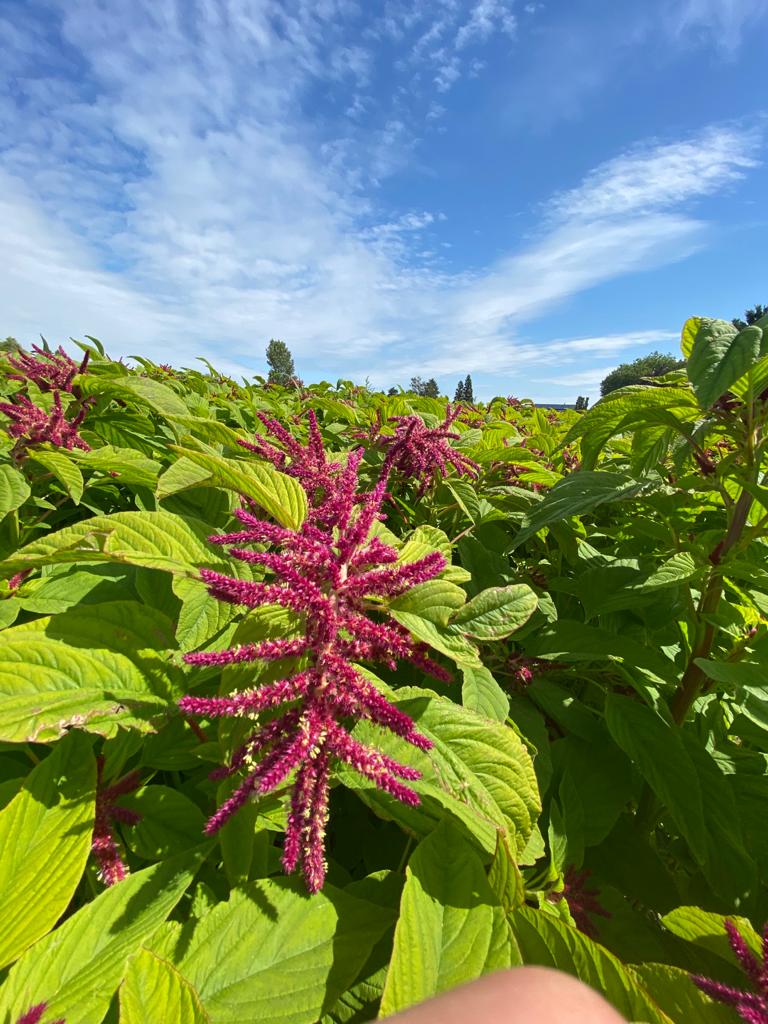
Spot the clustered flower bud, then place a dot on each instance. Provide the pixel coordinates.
(103, 844)
(582, 901)
(326, 572)
(50, 371)
(417, 451)
(752, 1007)
(33, 425)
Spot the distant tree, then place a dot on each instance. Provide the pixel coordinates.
(393, 391)
(653, 365)
(425, 388)
(10, 345)
(751, 316)
(582, 404)
(459, 394)
(469, 395)
(281, 368)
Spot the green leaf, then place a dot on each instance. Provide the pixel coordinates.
(434, 600)
(201, 616)
(626, 407)
(170, 823)
(690, 330)
(719, 357)
(577, 493)
(444, 935)
(181, 475)
(478, 771)
(659, 752)
(707, 930)
(568, 640)
(279, 495)
(47, 686)
(153, 990)
(274, 955)
(481, 693)
(155, 540)
(673, 991)
(496, 613)
(441, 639)
(14, 489)
(63, 468)
(549, 942)
(45, 836)
(130, 466)
(159, 397)
(77, 968)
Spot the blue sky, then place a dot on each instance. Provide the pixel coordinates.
(530, 192)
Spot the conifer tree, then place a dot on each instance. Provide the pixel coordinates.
(281, 368)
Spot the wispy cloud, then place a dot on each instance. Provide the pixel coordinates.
(725, 22)
(656, 177)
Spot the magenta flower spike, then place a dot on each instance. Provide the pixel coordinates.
(51, 371)
(33, 425)
(34, 1015)
(327, 572)
(103, 844)
(752, 1007)
(425, 454)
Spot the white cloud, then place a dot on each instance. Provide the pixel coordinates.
(655, 177)
(726, 22)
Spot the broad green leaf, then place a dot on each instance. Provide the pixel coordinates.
(657, 749)
(690, 330)
(77, 968)
(159, 397)
(279, 495)
(47, 686)
(549, 942)
(496, 613)
(708, 930)
(575, 494)
(274, 955)
(140, 633)
(720, 356)
(434, 600)
(478, 771)
(14, 489)
(170, 823)
(728, 867)
(153, 990)
(59, 590)
(444, 935)
(63, 468)
(155, 540)
(440, 638)
(568, 640)
(45, 836)
(210, 431)
(624, 408)
(673, 991)
(181, 475)
(201, 616)
(130, 466)
(481, 693)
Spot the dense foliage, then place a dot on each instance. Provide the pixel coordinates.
(653, 365)
(315, 701)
